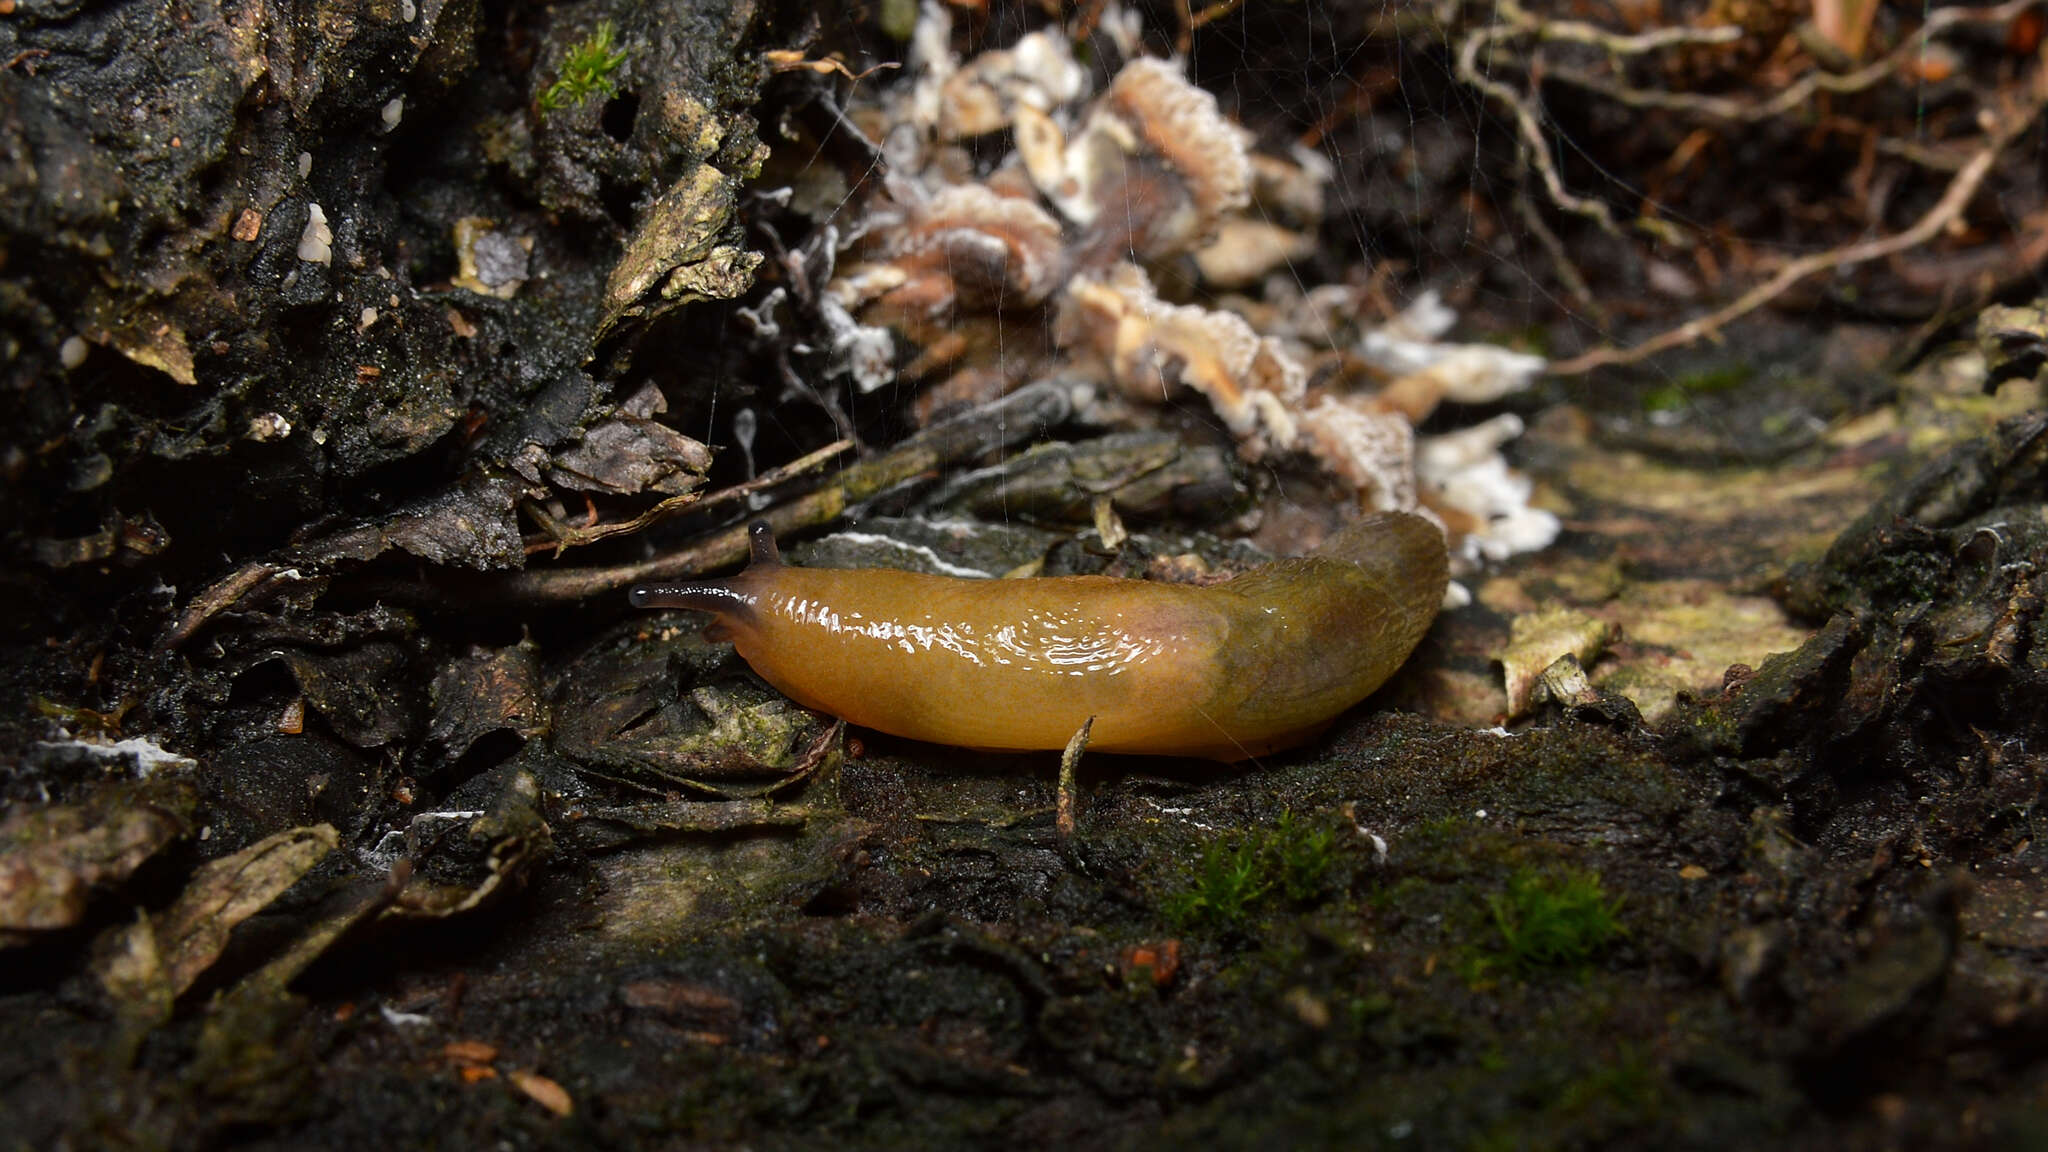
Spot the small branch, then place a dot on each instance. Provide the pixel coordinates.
(1533, 145)
(1800, 91)
(1560, 260)
(1014, 419)
(559, 537)
(1948, 209)
(1216, 12)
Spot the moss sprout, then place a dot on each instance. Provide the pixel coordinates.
(587, 71)
(1237, 874)
(1553, 922)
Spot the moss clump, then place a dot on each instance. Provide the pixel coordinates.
(587, 71)
(1551, 922)
(1682, 392)
(1236, 874)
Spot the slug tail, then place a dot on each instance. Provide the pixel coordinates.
(1399, 549)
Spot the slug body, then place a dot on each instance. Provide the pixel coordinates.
(1225, 671)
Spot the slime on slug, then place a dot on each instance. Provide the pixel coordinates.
(1226, 671)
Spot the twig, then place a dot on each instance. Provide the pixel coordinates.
(1945, 211)
(1800, 91)
(1020, 416)
(1560, 260)
(1533, 145)
(560, 537)
(1614, 43)
(1216, 12)
(1514, 21)
(225, 594)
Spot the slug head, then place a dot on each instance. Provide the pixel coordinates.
(730, 600)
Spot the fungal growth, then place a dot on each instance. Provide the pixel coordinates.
(1224, 671)
(1137, 240)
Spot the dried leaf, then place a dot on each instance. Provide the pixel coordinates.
(52, 858)
(632, 452)
(149, 963)
(1536, 641)
(489, 690)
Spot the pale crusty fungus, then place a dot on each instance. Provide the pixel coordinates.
(1149, 349)
(1367, 446)
(992, 289)
(1153, 169)
(1427, 372)
(1245, 250)
(967, 248)
(1037, 73)
(1464, 472)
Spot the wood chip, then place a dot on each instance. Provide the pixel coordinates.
(543, 1091)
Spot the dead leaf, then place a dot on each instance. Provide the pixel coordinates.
(52, 858)
(1537, 639)
(149, 963)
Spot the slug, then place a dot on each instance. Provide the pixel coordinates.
(1225, 671)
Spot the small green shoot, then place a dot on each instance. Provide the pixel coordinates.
(1303, 856)
(1231, 878)
(1552, 922)
(1237, 873)
(587, 71)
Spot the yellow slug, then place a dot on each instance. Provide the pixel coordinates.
(1225, 671)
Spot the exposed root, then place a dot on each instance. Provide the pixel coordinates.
(1944, 213)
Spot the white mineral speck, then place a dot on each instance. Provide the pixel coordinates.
(409, 10)
(316, 243)
(269, 426)
(72, 352)
(368, 318)
(394, 112)
(305, 165)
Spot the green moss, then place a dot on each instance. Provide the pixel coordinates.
(1303, 857)
(1228, 881)
(587, 71)
(1682, 391)
(1550, 922)
(1236, 874)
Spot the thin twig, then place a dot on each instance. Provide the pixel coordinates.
(559, 536)
(1560, 260)
(1216, 11)
(1020, 416)
(1945, 211)
(1796, 94)
(1533, 145)
(1514, 21)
